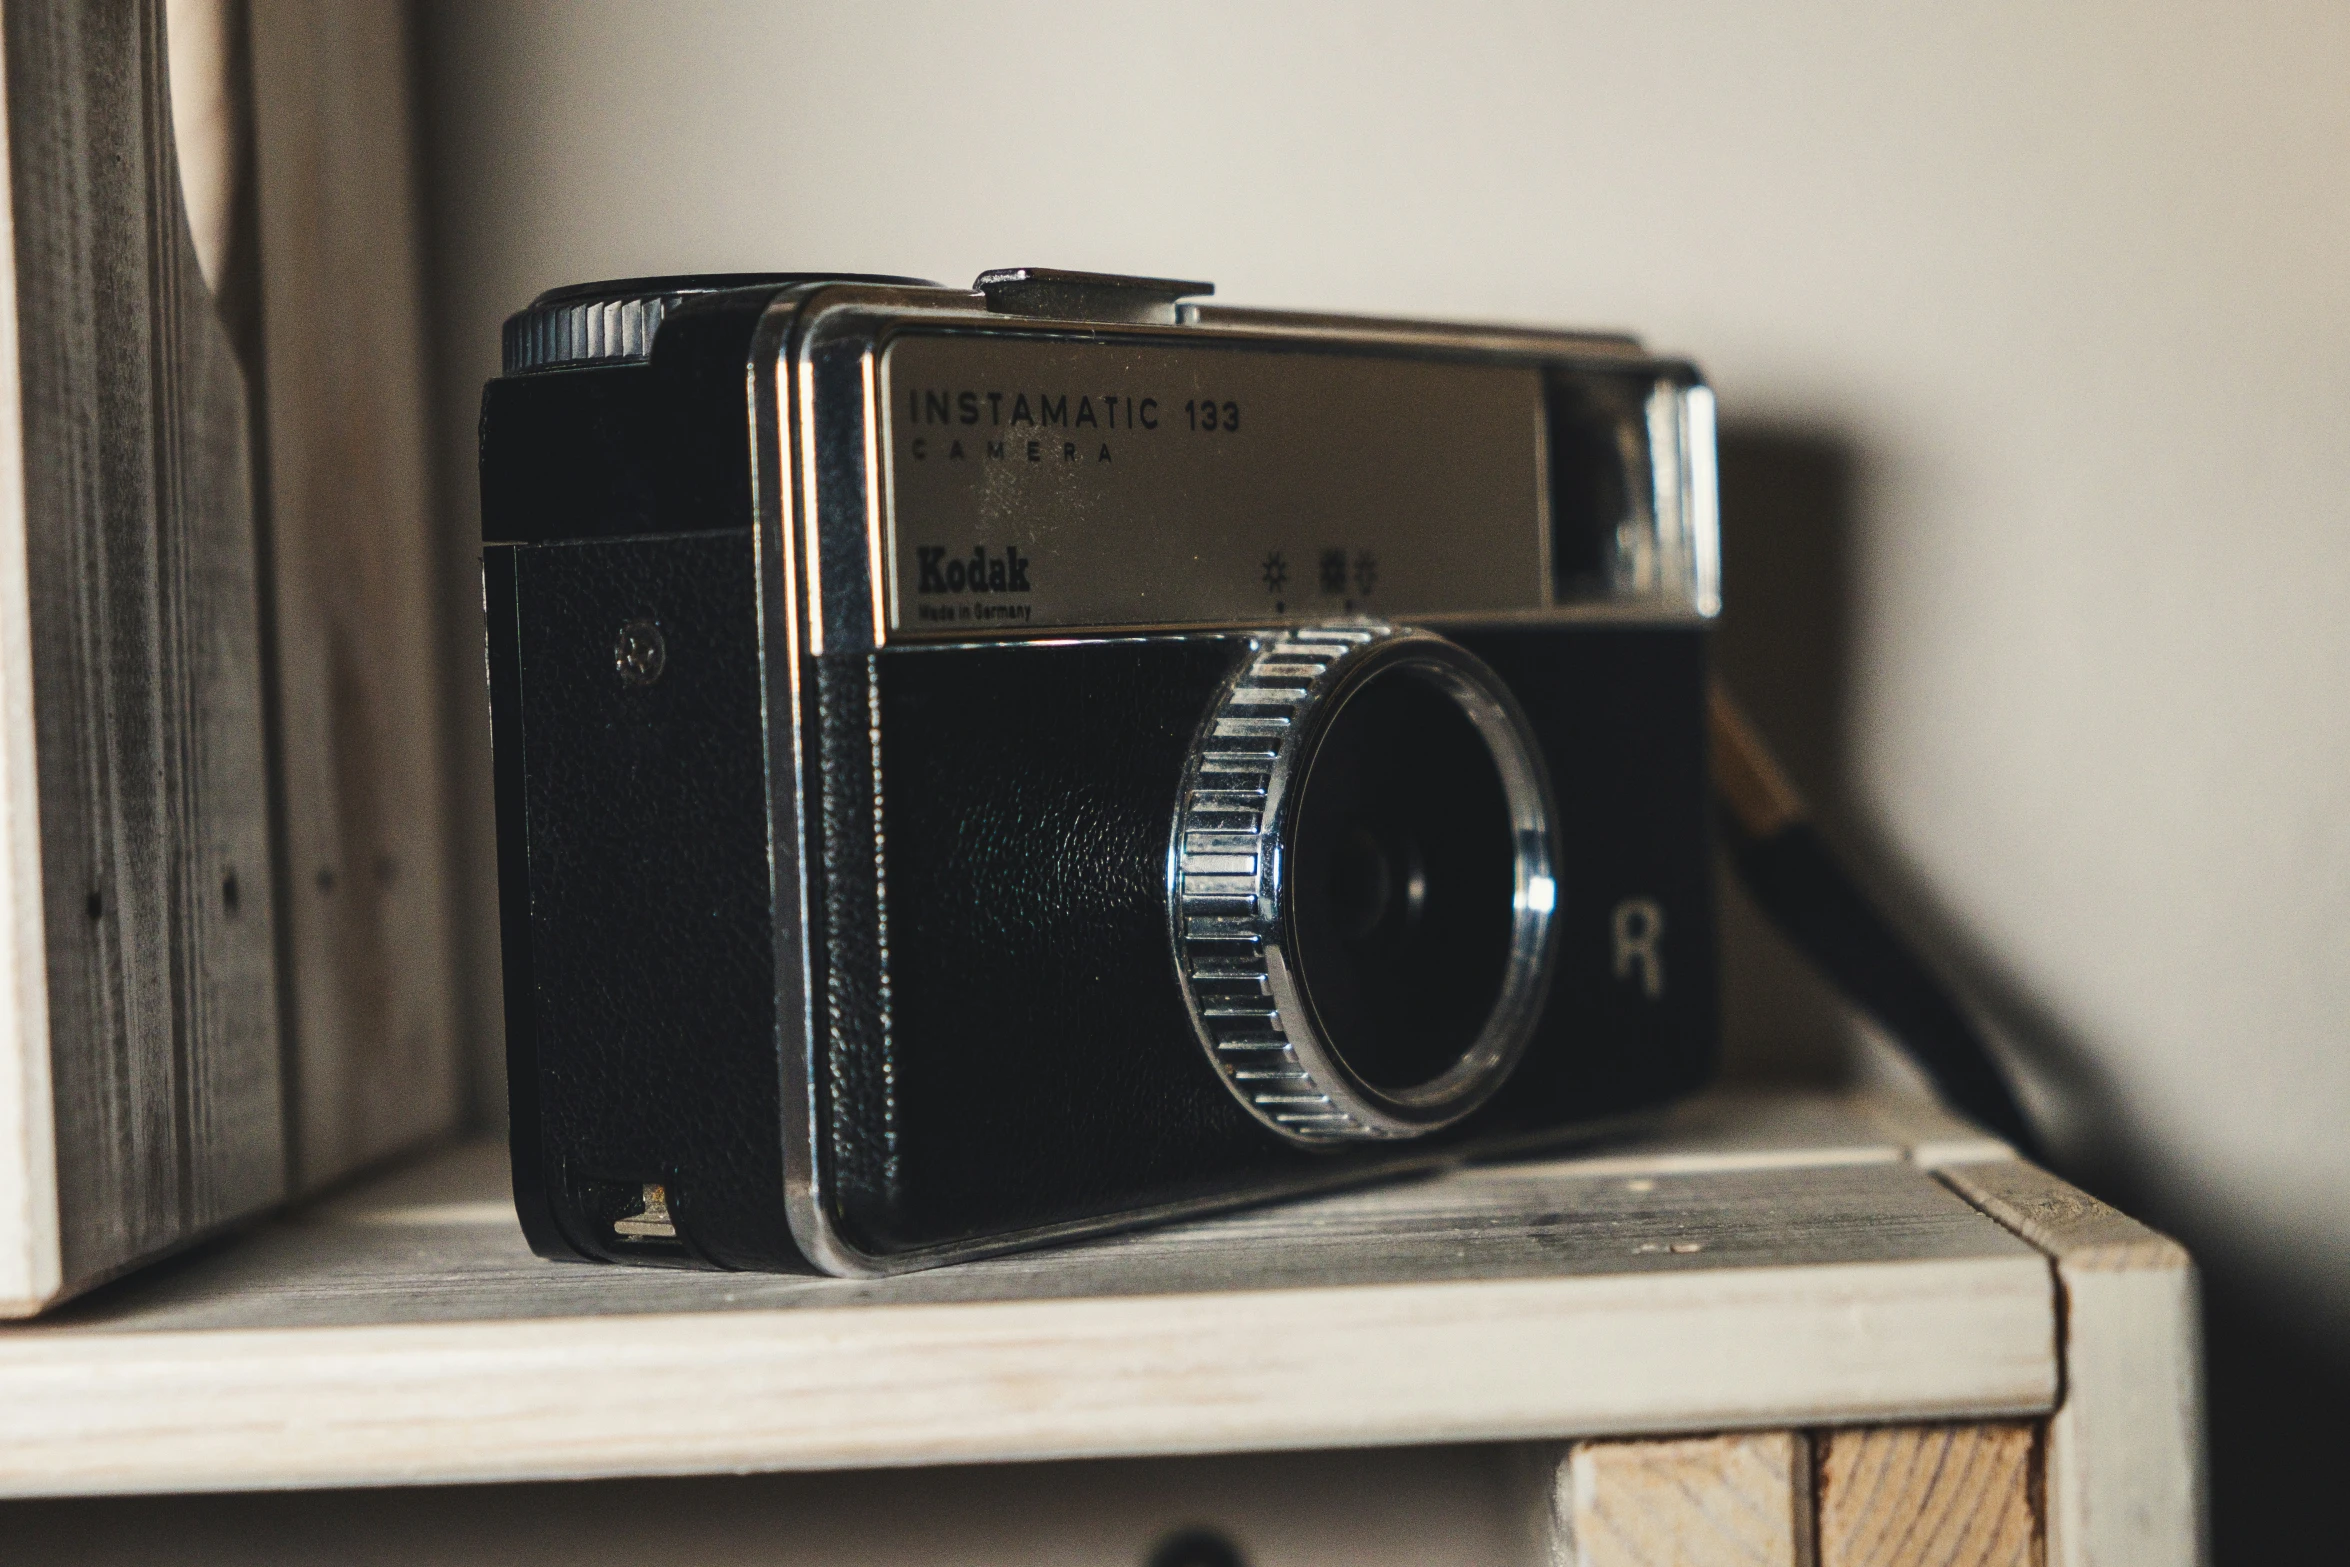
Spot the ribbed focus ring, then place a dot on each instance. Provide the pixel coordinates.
(549, 336)
(614, 322)
(1225, 894)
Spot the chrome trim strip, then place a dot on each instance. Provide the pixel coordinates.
(1705, 496)
(868, 367)
(1611, 612)
(803, 452)
(774, 540)
(1621, 346)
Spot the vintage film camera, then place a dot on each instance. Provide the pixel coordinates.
(976, 767)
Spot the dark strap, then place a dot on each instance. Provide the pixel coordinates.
(1797, 880)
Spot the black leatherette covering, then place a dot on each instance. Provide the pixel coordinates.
(1040, 1066)
(1004, 1044)
(1044, 1066)
(1620, 713)
(650, 1008)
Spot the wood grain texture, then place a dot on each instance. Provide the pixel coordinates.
(403, 1334)
(1718, 1501)
(159, 1023)
(373, 1052)
(2126, 1481)
(1929, 1496)
(438, 1243)
(1405, 1507)
(29, 1253)
(1929, 1134)
(1741, 1128)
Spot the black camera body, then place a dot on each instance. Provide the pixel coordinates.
(976, 767)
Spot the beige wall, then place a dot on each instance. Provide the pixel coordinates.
(2031, 321)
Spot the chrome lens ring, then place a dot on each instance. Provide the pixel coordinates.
(1229, 905)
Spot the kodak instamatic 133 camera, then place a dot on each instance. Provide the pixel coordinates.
(982, 766)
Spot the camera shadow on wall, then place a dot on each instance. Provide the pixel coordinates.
(1791, 530)
(1784, 646)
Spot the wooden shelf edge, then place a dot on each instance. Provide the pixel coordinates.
(1756, 1262)
(1113, 1376)
(2126, 1474)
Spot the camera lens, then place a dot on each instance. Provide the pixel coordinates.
(1361, 883)
(1401, 882)
(1375, 882)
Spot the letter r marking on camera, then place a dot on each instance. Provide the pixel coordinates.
(1639, 925)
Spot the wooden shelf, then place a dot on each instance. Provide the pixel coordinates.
(1760, 1262)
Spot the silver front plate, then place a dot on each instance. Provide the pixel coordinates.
(1034, 483)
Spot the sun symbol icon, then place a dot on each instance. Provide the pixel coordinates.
(1275, 572)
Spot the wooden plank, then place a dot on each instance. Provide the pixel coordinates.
(1715, 1501)
(1403, 1507)
(439, 1243)
(2126, 1480)
(1734, 1127)
(1929, 1133)
(373, 1047)
(30, 1258)
(405, 1336)
(131, 502)
(1929, 1496)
